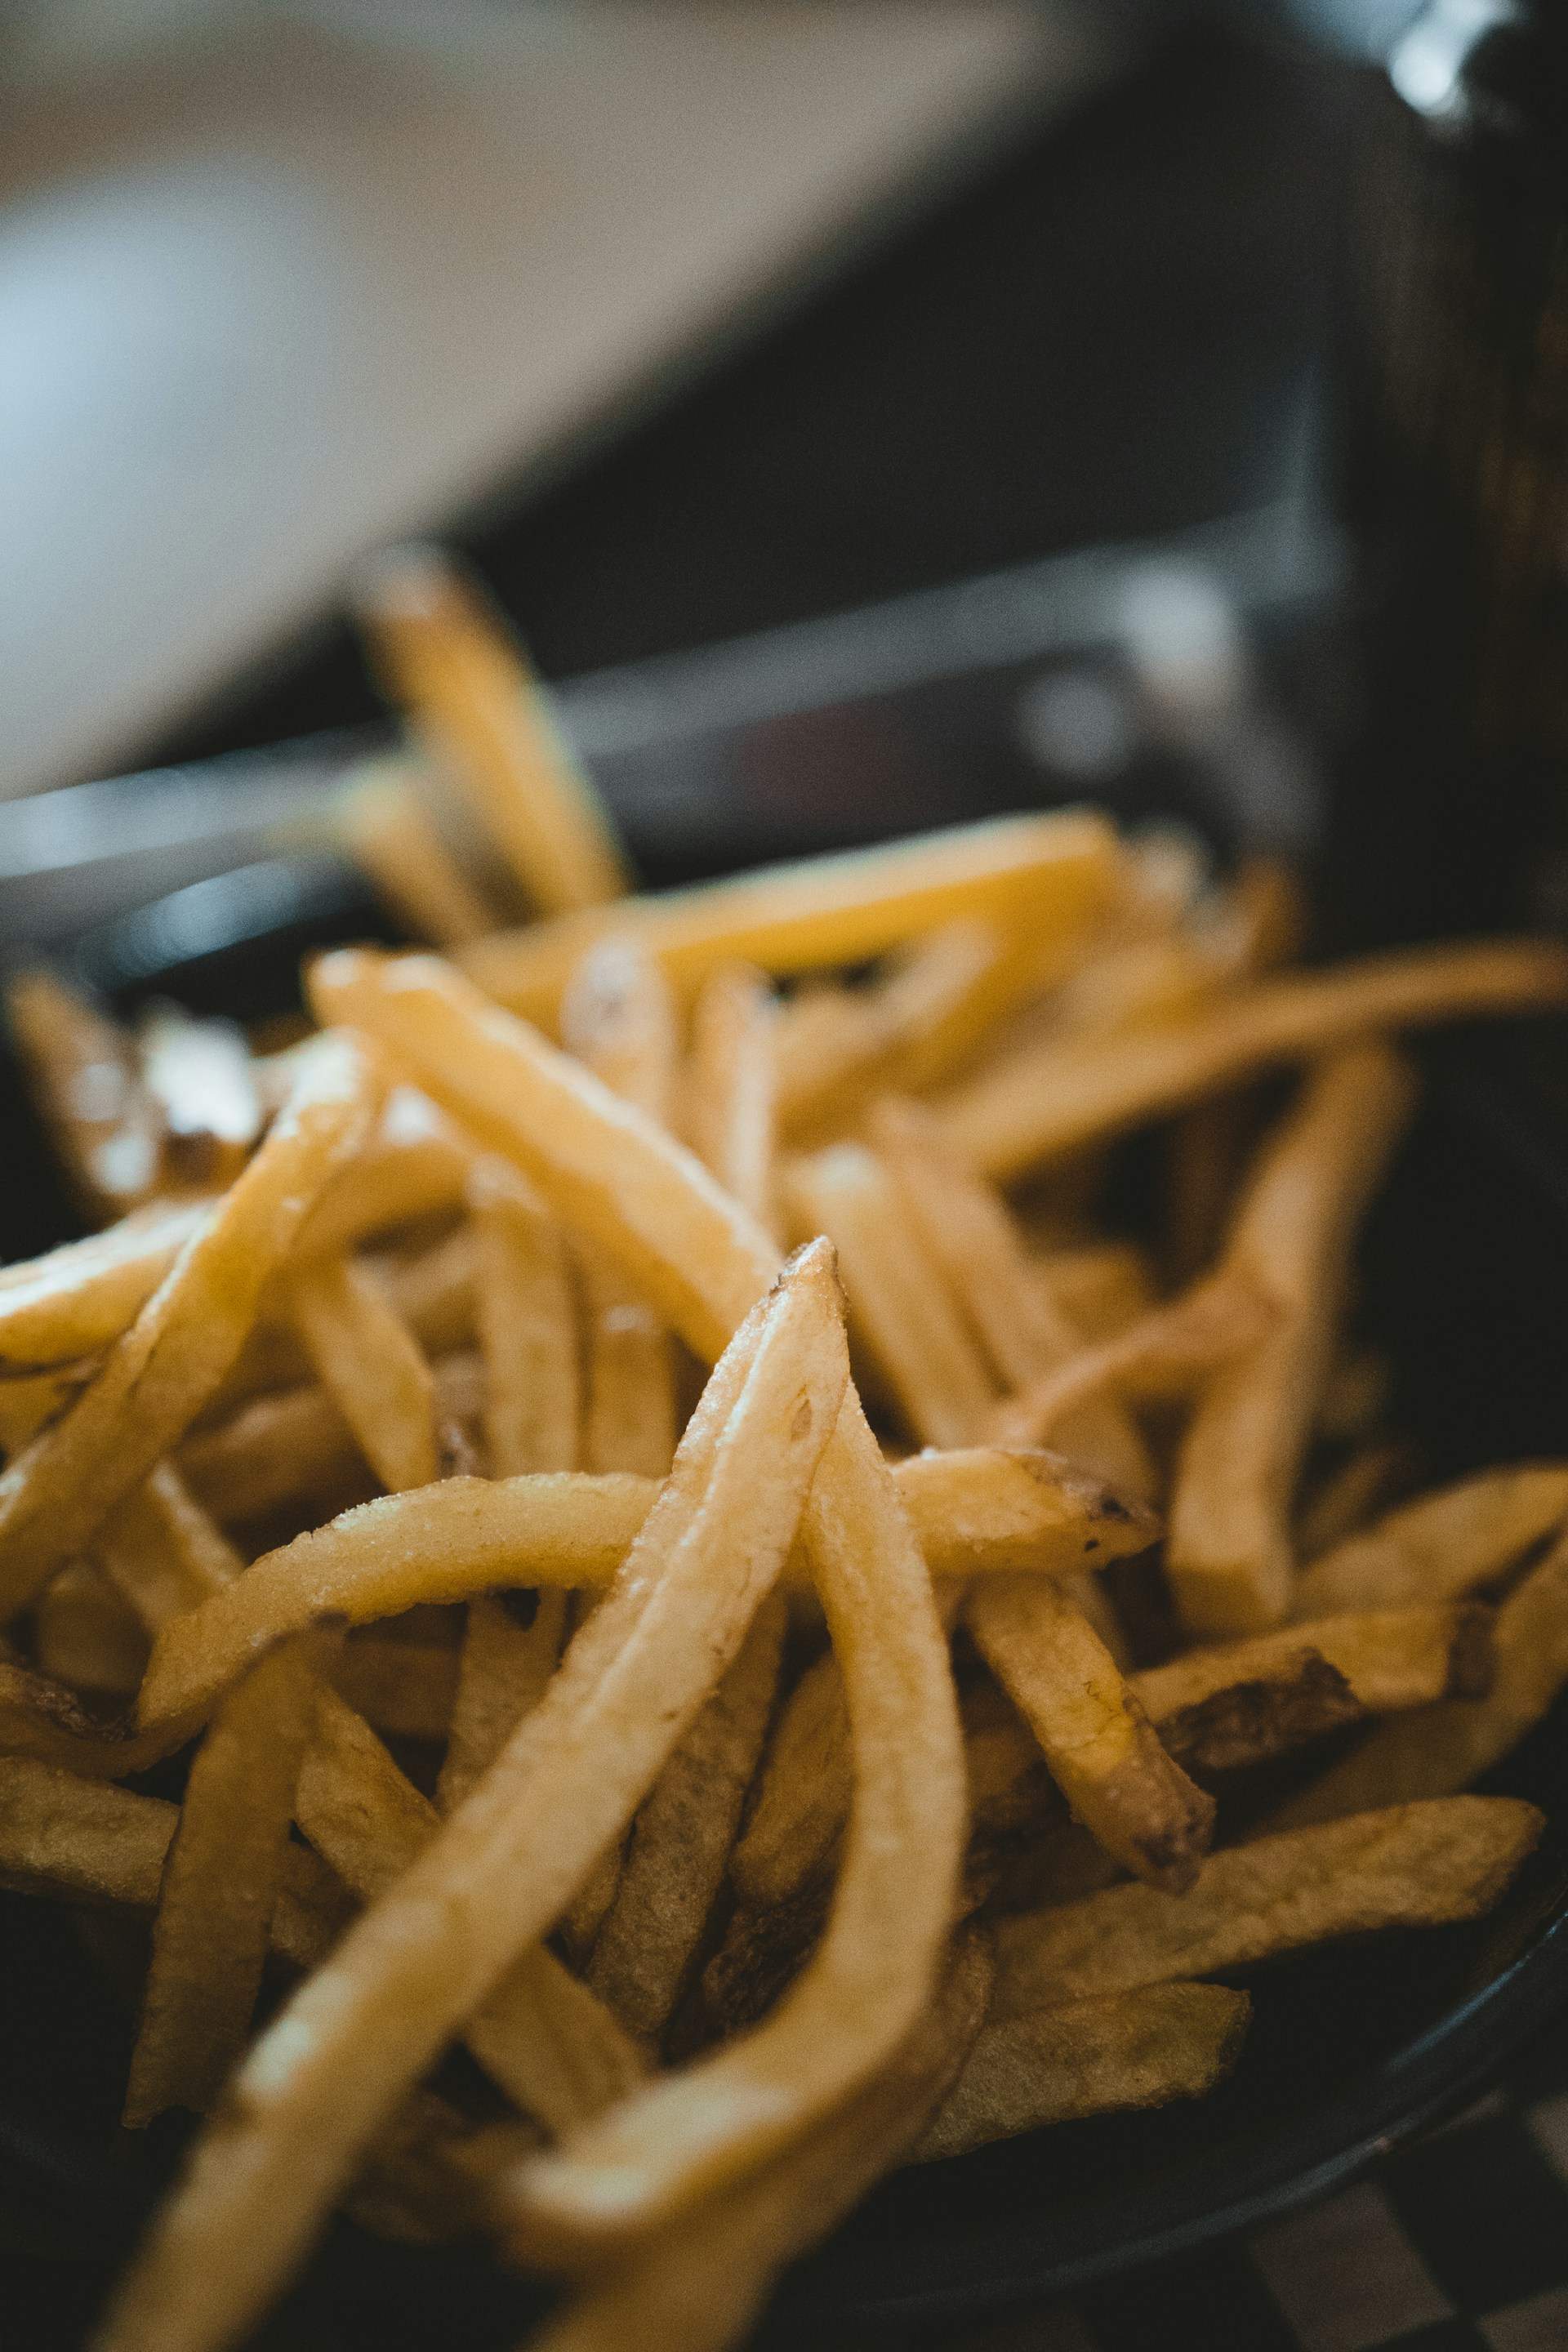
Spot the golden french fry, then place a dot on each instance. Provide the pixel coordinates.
(1048, 875)
(467, 690)
(1228, 1555)
(411, 1166)
(85, 1636)
(161, 1552)
(30, 1400)
(1052, 2065)
(1343, 1501)
(82, 1070)
(980, 1512)
(1442, 1543)
(199, 1076)
(898, 1307)
(527, 1324)
(371, 1366)
(158, 1375)
(803, 1795)
(391, 836)
(1410, 1866)
(44, 1720)
(1444, 1747)
(731, 1083)
(79, 1299)
(1104, 1754)
(1097, 1290)
(681, 1839)
(328, 2072)
(511, 1646)
(90, 1843)
(1048, 1100)
(220, 1885)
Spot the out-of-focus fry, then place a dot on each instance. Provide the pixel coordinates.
(164, 1553)
(79, 1299)
(83, 1069)
(30, 1400)
(157, 1377)
(527, 1326)
(1343, 1501)
(1104, 1754)
(405, 1689)
(1441, 1544)
(1354, 1394)
(1414, 1865)
(1099, 1289)
(328, 2072)
(803, 1792)
(681, 1841)
(412, 1165)
(371, 1366)
(200, 1077)
(390, 834)
(220, 1885)
(1445, 1747)
(45, 1719)
(85, 1636)
(1052, 2065)
(731, 1083)
(467, 690)
(1050, 1100)
(508, 1657)
(1048, 875)
(1166, 1355)
(90, 1843)
(1228, 1556)
(978, 1512)
(898, 1307)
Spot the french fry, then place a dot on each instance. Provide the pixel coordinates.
(389, 834)
(1050, 874)
(199, 1076)
(974, 1513)
(1050, 1100)
(1414, 1865)
(158, 1375)
(1165, 1356)
(897, 1304)
(681, 1839)
(85, 1636)
(79, 1299)
(327, 2073)
(1343, 1501)
(732, 1085)
(90, 1843)
(82, 1070)
(1229, 1557)
(162, 1553)
(43, 1718)
(507, 1658)
(30, 1400)
(406, 1690)
(1104, 1754)
(371, 1366)
(1445, 1747)
(1099, 1290)
(468, 691)
(220, 1885)
(803, 1794)
(1440, 1545)
(1054, 2065)
(411, 1166)
(527, 1326)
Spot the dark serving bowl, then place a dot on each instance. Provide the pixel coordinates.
(1465, 1284)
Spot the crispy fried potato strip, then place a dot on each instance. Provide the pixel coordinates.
(79, 1299)
(1411, 1865)
(731, 1083)
(1442, 1543)
(391, 835)
(370, 1365)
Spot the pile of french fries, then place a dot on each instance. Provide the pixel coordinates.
(713, 1686)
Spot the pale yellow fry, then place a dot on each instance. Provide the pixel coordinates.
(682, 1840)
(541, 2034)
(977, 1512)
(1047, 875)
(79, 1299)
(158, 1375)
(1052, 2065)
(1442, 1543)
(731, 1083)
(898, 1307)
(412, 1165)
(1445, 1747)
(408, 1974)
(1413, 1866)
(82, 1070)
(1342, 1503)
(391, 836)
(701, 2283)
(162, 1552)
(467, 690)
(1229, 1556)
(220, 1886)
(200, 1076)
(1048, 1100)
(371, 1367)
(88, 1841)
(527, 1326)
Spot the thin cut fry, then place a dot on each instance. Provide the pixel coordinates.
(405, 1689)
(162, 1552)
(83, 1069)
(200, 1077)
(220, 1884)
(1414, 1865)
(85, 1637)
(1442, 1543)
(732, 1082)
(1052, 2065)
(1050, 1100)
(509, 1655)
(155, 1379)
(1048, 873)
(371, 1366)
(331, 2069)
(466, 686)
(389, 834)
(79, 1298)
(527, 1326)
(1229, 1556)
